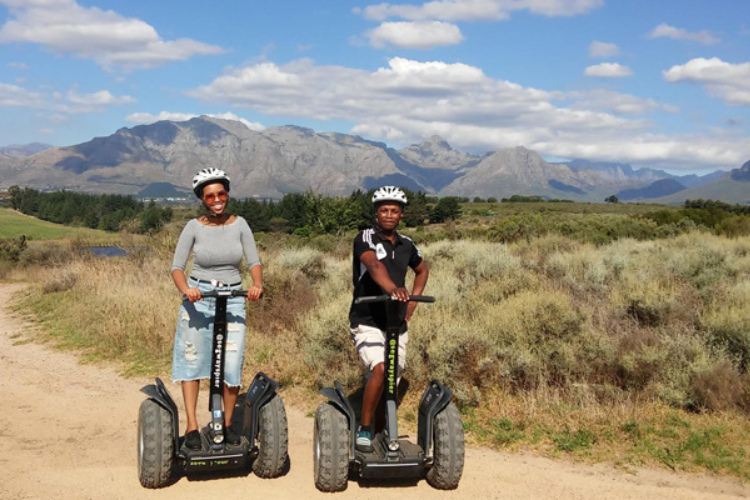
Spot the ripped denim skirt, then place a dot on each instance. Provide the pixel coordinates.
(194, 337)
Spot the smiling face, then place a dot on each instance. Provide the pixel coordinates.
(215, 198)
(388, 215)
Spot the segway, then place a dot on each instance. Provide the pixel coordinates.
(162, 456)
(438, 454)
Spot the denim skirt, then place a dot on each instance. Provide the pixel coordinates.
(194, 337)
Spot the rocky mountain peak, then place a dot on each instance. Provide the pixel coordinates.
(437, 143)
(742, 173)
(435, 153)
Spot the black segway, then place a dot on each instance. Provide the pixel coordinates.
(264, 434)
(438, 455)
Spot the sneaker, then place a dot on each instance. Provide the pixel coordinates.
(231, 437)
(364, 440)
(193, 440)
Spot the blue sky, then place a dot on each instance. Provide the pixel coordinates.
(662, 84)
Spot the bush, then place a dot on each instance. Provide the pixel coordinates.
(727, 323)
(734, 227)
(719, 387)
(11, 250)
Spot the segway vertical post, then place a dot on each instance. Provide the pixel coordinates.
(218, 353)
(391, 379)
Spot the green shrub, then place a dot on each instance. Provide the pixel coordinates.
(734, 227)
(727, 323)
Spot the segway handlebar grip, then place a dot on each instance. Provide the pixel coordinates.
(371, 299)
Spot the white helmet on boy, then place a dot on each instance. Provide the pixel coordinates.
(389, 193)
(206, 176)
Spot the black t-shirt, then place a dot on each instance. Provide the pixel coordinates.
(396, 258)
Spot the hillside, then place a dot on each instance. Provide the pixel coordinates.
(733, 187)
(662, 187)
(21, 150)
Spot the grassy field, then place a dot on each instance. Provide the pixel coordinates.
(14, 224)
(632, 351)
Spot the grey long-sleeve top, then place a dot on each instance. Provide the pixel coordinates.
(217, 250)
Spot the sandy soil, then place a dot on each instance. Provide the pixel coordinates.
(68, 431)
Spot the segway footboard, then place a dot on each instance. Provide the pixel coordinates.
(209, 461)
(407, 463)
(435, 399)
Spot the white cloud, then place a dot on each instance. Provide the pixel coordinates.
(256, 126)
(476, 10)
(602, 49)
(98, 99)
(666, 31)
(63, 26)
(408, 100)
(142, 118)
(617, 103)
(71, 103)
(608, 70)
(729, 82)
(17, 65)
(13, 95)
(415, 35)
(148, 118)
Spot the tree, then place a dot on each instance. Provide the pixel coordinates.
(448, 208)
(14, 193)
(416, 211)
(293, 208)
(612, 199)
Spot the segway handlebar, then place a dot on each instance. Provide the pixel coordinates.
(224, 293)
(370, 299)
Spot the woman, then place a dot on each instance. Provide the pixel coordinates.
(218, 241)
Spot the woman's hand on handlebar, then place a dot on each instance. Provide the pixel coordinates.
(193, 294)
(255, 292)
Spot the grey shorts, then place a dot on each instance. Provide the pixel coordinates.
(370, 345)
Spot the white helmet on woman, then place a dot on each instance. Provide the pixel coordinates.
(389, 193)
(207, 176)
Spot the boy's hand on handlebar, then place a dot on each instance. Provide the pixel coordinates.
(255, 292)
(401, 293)
(193, 294)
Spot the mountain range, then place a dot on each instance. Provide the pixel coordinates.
(160, 159)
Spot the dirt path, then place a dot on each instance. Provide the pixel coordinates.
(68, 431)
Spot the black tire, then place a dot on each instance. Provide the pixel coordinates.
(330, 449)
(448, 442)
(273, 440)
(155, 445)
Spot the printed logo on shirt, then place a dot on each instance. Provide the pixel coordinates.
(380, 251)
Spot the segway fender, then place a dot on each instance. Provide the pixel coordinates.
(338, 400)
(159, 393)
(434, 400)
(261, 391)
